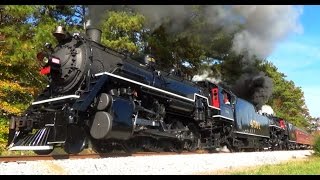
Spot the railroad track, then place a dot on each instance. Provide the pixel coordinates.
(87, 156)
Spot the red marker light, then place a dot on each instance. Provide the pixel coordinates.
(45, 70)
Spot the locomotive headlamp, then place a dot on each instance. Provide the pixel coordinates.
(45, 60)
(40, 57)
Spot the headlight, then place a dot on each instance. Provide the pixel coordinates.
(42, 59)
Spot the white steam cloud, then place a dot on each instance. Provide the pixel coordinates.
(264, 26)
(266, 109)
(205, 76)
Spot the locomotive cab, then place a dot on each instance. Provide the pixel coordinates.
(227, 101)
(219, 98)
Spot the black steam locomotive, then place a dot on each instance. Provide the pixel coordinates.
(104, 99)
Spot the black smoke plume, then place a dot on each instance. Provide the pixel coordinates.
(254, 87)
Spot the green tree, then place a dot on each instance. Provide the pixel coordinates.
(287, 100)
(17, 64)
(122, 31)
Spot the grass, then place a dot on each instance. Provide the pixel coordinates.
(308, 166)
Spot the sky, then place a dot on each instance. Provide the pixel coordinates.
(298, 57)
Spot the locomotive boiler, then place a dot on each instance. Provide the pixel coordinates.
(100, 98)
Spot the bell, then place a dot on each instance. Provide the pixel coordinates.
(60, 33)
(60, 30)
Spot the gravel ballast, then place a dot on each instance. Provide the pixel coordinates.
(150, 165)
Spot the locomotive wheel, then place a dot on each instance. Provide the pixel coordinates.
(76, 139)
(177, 147)
(194, 133)
(132, 146)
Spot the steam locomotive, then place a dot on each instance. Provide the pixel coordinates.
(104, 99)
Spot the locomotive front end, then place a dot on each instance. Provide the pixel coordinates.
(50, 120)
(67, 63)
(62, 113)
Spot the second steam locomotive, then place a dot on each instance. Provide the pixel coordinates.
(104, 99)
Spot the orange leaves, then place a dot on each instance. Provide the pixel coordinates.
(10, 86)
(9, 109)
(13, 97)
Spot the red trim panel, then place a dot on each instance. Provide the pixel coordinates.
(215, 97)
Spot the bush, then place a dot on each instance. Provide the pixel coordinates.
(4, 130)
(316, 146)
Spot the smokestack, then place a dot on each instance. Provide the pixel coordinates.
(94, 34)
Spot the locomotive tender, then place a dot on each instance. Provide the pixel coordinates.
(102, 98)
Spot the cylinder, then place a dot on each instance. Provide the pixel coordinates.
(94, 34)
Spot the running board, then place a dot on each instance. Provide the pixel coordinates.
(223, 117)
(26, 148)
(56, 99)
(37, 141)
